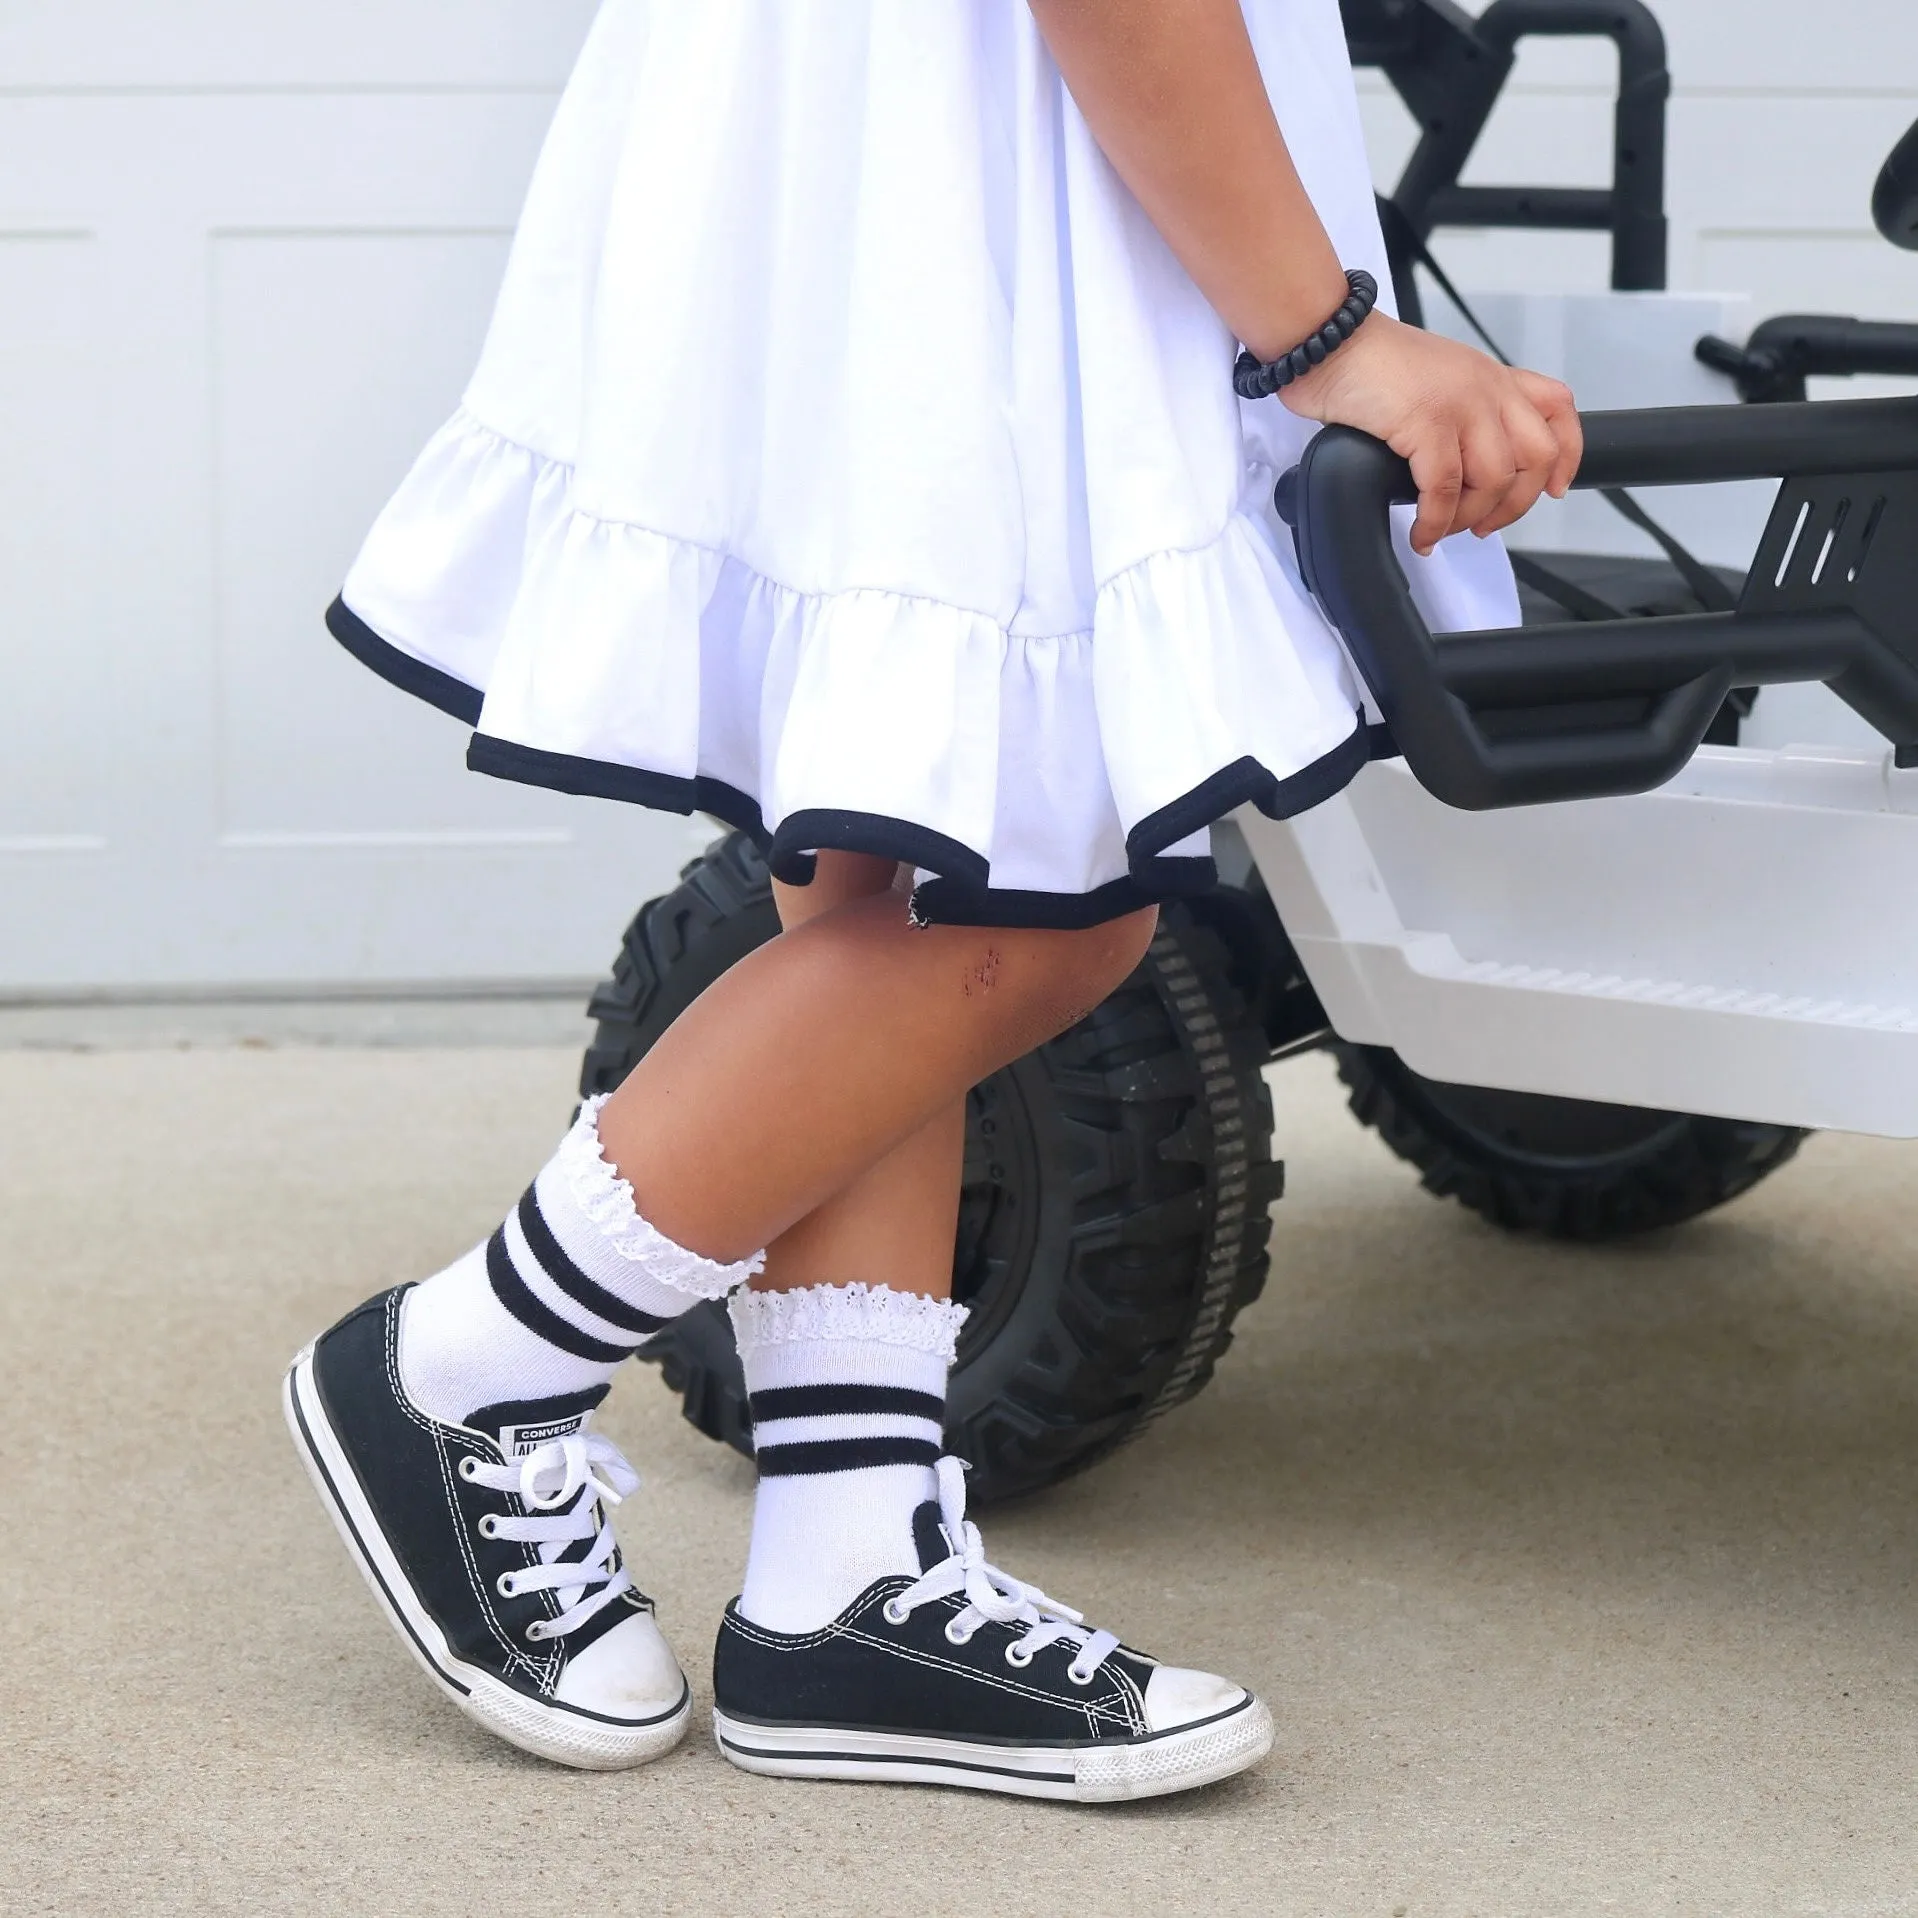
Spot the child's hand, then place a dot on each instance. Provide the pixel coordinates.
(1484, 440)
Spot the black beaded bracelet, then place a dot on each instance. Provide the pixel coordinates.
(1255, 379)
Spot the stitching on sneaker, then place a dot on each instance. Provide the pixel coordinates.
(391, 1354)
(1018, 1690)
(482, 1592)
(1135, 1697)
(529, 1557)
(1107, 1710)
(1098, 1714)
(1111, 1707)
(442, 1446)
(782, 1641)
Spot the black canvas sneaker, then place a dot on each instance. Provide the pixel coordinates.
(967, 1677)
(488, 1547)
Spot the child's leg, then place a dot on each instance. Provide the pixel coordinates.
(820, 1538)
(894, 1223)
(445, 1424)
(822, 1053)
(815, 1097)
(569, 1286)
(871, 1638)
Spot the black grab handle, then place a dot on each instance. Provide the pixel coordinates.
(1513, 718)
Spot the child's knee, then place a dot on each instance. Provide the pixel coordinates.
(1124, 942)
(1067, 974)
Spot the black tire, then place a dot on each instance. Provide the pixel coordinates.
(1563, 1167)
(1117, 1189)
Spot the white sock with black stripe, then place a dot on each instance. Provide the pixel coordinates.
(570, 1285)
(847, 1385)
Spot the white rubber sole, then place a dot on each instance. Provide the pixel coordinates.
(1173, 1761)
(562, 1733)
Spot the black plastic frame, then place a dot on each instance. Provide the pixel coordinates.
(1596, 708)
(1894, 200)
(1450, 69)
(1783, 353)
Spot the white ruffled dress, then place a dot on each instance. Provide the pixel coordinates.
(851, 459)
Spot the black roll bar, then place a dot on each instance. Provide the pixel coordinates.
(1450, 70)
(1783, 353)
(1603, 707)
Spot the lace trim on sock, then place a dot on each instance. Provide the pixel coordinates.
(607, 1201)
(873, 1312)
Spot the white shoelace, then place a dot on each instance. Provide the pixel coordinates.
(992, 1595)
(594, 1474)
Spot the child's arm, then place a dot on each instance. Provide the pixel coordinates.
(1173, 93)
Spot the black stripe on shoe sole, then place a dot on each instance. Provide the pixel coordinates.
(915, 1759)
(841, 1401)
(848, 1728)
(573, 1282)
(843, 1455)
(539, 1319)
(735, 1739)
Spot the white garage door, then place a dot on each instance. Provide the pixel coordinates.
(246, 255)
(247, 248)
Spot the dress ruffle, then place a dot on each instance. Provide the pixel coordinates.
(850, 458)
(864, 720)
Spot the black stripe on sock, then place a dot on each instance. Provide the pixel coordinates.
(573, 1282)
(843, 1455)
(541, 1320)
(830, 1401)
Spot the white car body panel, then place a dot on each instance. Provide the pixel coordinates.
(1742, 942)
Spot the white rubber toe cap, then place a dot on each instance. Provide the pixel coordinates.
(1176, 1697)
(630, 1673)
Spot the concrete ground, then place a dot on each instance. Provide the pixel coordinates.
(1580, 1581)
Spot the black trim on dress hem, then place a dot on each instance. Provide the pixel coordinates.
(1313, 785)
(833, 829)
(939, 902)
(1247, 782)
(601, 779)
(960, 893)
(452, 696)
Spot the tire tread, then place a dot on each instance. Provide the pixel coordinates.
(1702, 1164)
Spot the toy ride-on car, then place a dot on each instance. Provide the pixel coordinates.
(1590, 975)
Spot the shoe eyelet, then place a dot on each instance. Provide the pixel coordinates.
(469, 1466)
(506, 1585)
(954, 1636)
(893, 1612)
(488, 1527)
(1078, 1677)
(1014, 1656)
(535, 1632)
